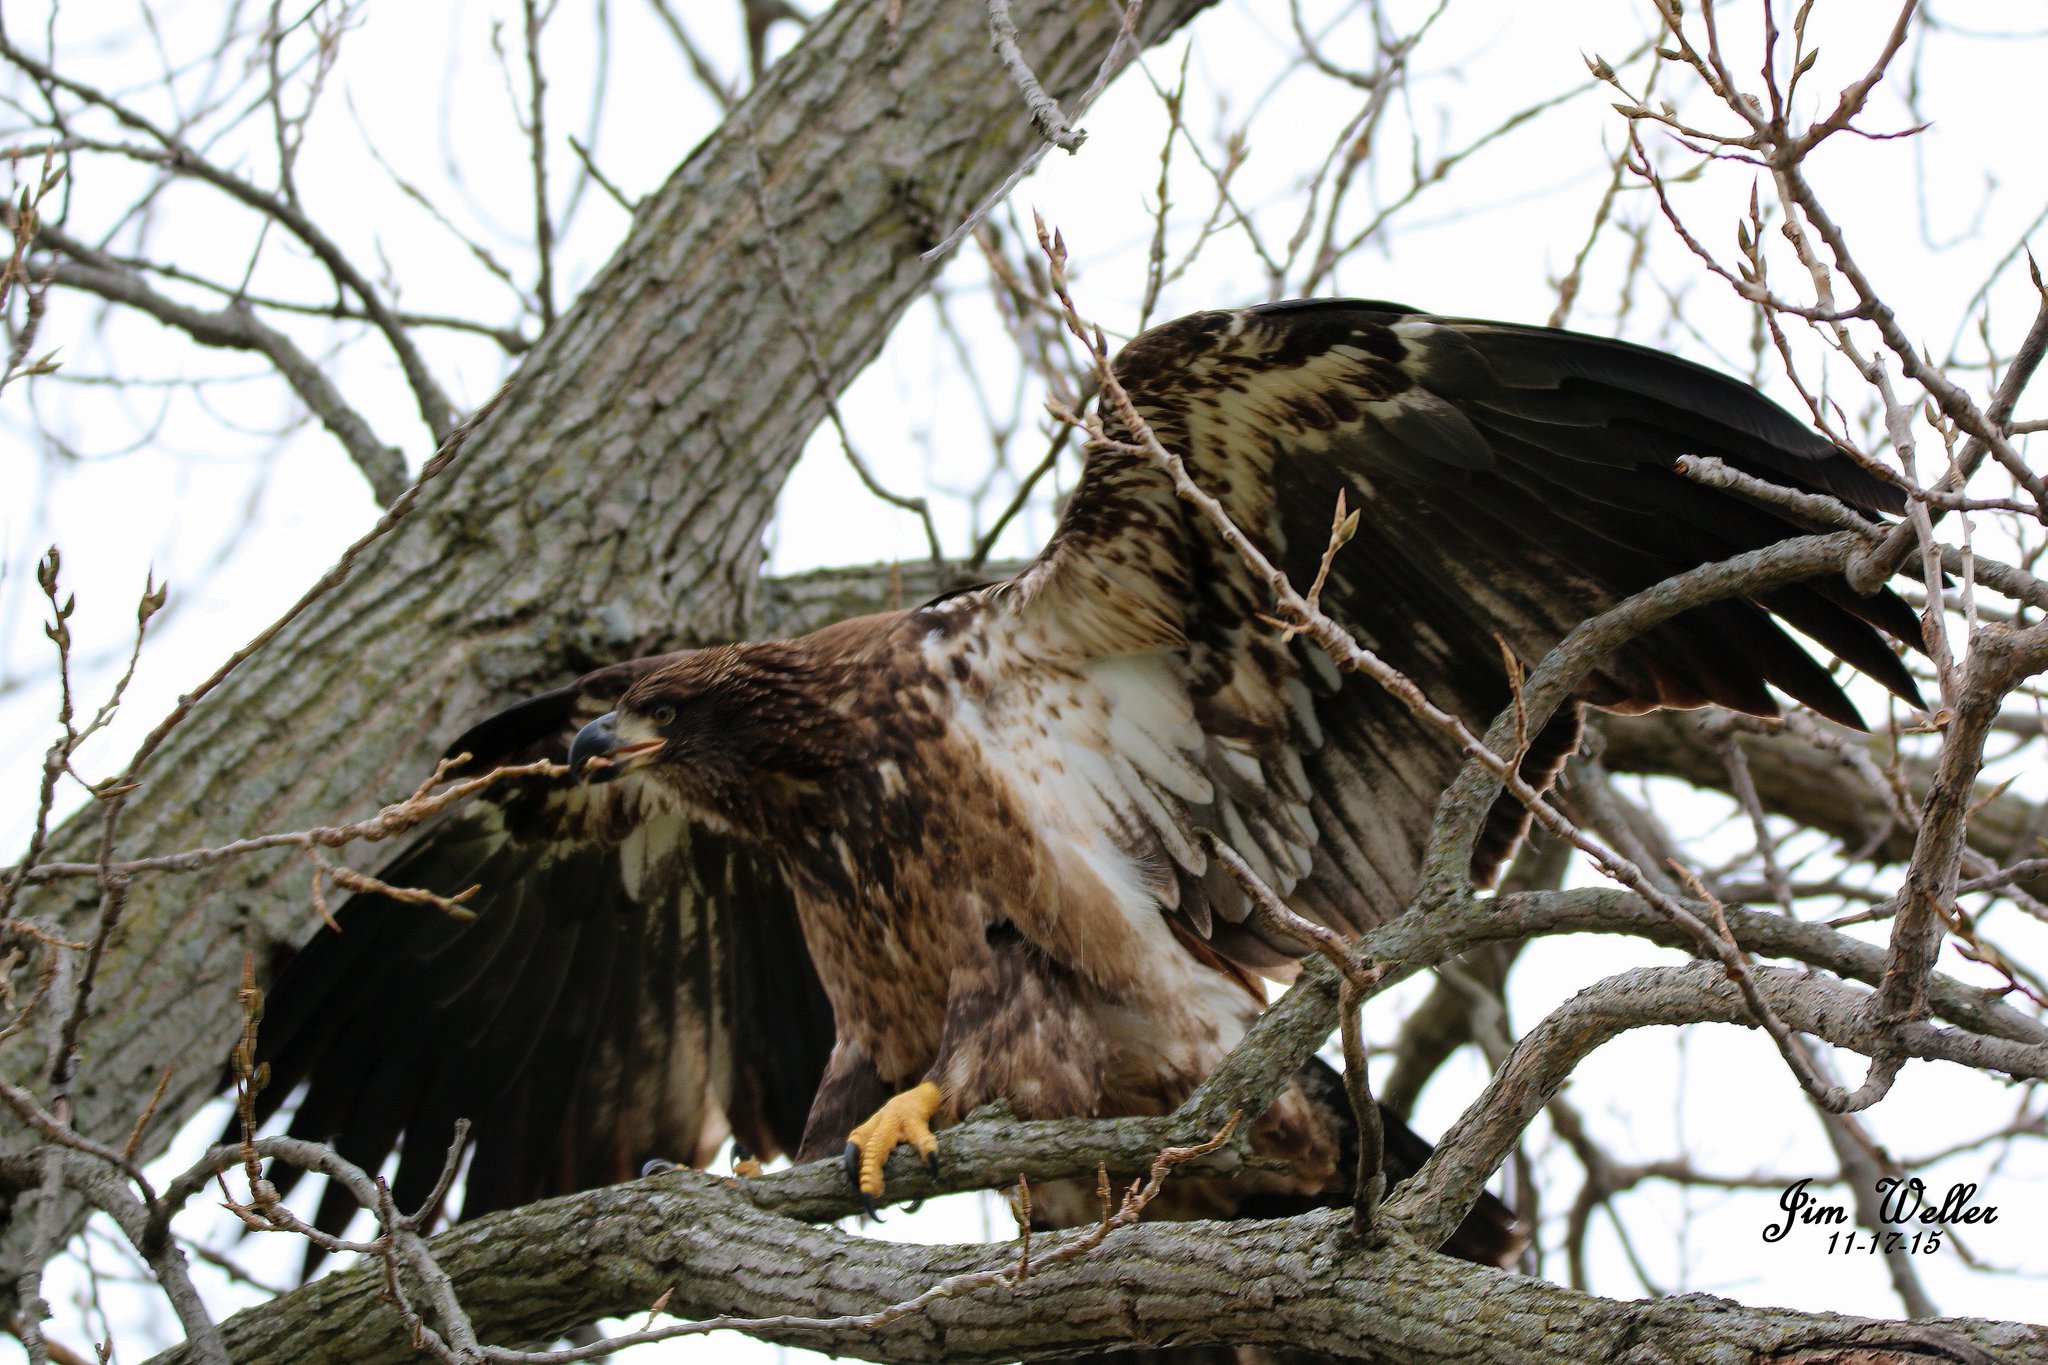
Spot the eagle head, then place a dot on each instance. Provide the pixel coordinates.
(729, 731)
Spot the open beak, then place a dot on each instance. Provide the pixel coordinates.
(600, 753)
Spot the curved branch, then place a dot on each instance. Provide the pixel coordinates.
(1463, 809)
(236, 327)
(1292, 1029)
(173, 154)
(1808, 784)
(697, 1243)
(1431, 1205)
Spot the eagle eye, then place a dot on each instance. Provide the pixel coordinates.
(663, 715)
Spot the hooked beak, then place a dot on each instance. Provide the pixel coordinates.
(600, 740)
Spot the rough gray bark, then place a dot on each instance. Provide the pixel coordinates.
(799, 603)
(612, 501)
(712, 1248)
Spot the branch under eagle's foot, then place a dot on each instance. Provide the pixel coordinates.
(905, 1118)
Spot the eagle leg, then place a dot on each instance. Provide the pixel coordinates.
(850, 1091)
(905, 1118)
(1020, 1028)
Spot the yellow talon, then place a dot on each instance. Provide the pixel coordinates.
(906, 1118)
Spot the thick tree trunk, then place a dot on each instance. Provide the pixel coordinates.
(614, 499)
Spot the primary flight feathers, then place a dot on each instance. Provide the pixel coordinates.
(958, 844)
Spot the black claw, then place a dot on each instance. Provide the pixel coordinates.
(931, 1164)
(658, 1166)
(850, 1163)
(867, 1202)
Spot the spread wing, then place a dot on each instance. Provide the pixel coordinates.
(631, 987)
(1511, 482)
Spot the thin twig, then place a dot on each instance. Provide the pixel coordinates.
(1045, 110)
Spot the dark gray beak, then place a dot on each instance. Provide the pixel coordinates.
(595, 740)
(612, 746)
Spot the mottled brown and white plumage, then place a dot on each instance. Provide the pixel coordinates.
(959, 843)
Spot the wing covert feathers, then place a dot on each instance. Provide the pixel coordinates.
(1511, 482)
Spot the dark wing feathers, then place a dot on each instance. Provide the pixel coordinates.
(593, 1015)
(1573, 381)
(1511, 482)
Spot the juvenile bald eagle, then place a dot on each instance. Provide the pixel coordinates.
(852, 885)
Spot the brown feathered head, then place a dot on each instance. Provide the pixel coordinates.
(735, 732)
